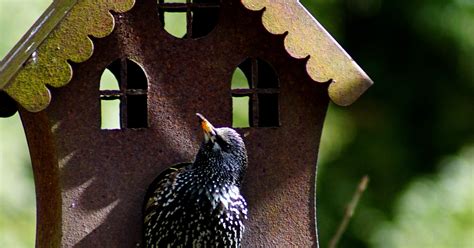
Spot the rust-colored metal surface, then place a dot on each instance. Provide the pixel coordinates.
(306, 37)
(91, 182)
(45, 162)
(61, 35)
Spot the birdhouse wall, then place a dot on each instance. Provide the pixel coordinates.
(90, 183)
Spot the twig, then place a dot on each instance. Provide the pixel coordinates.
(349, 212)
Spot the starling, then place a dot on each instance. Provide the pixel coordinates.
(199, 204)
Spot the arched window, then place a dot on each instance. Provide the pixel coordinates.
(188, 18)
(123, 96)
(255, 93)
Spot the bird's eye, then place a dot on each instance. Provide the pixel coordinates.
(222, 143)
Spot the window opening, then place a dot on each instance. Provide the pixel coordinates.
(188, 18)
(175, 24)
(240, 113)
(239, 80)
(110, 113)
(123, 95)
(240, 104)
(109, 101)
(257, 81)
(108, 81)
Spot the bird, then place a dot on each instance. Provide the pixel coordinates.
(199, 204)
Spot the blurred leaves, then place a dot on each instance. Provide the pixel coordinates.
(420, 109)
(16, 17)
(436, 210)
(17, 195)
(339, 131)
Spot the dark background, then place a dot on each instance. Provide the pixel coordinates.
(420, 110)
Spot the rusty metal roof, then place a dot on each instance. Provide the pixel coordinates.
(306, 37)
(60, 35)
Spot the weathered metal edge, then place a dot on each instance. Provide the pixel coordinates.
(307, 37)
(32, 39)
(62, 40)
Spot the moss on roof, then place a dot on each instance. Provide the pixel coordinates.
(60, 35)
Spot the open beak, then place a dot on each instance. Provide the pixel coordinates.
(207, 128)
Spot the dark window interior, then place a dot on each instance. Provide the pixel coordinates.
(268, 110)
(137, 116)
(7, 105)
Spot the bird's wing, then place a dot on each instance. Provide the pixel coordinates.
(152, 206)
(160, 179)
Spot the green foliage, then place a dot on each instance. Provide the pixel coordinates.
(436, 210)
(17, 195)
(420, 56)
(16, 16)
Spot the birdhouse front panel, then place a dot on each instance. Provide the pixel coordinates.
(161, 81)
(92, 170)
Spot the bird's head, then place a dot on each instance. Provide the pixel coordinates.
(222, 148)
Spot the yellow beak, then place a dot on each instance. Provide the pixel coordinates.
(207, 127)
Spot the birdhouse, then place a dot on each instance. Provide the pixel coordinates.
(91, 176)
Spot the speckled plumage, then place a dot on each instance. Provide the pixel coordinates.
(199, 204)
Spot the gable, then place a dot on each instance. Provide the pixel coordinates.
(61, 36)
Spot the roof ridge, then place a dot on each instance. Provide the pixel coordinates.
(28, 43)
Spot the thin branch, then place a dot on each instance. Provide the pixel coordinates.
(349, 212)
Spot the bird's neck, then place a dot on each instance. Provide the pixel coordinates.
(216, 170)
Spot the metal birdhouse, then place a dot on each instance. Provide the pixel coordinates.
(90, 180)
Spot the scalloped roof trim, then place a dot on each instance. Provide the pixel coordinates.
(306, 37)
(67, 41)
